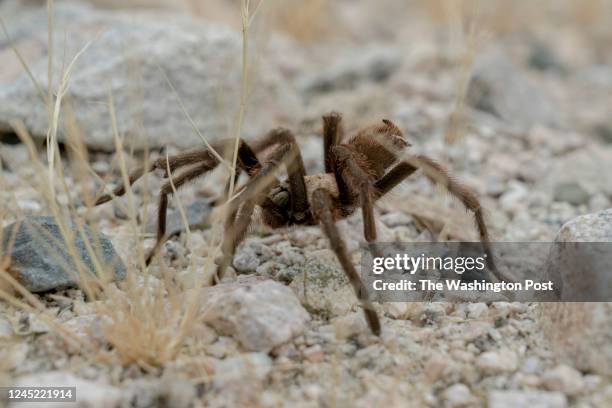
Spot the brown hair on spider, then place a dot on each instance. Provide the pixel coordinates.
(358, 172)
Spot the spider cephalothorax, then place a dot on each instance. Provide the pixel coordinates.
(358, 171)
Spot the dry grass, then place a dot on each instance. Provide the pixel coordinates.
(146, 320)
(474, 25)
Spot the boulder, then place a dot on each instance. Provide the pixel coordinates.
(580, 259)
(580, 268)
(129, 55)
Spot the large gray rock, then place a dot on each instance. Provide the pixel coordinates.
(580, 261)
(499, 88)
(580, 268)
(126, 59)
(42, 261)
(260, 314)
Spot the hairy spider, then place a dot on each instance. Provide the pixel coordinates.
(358, 172)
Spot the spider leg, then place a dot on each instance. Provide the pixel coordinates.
(236, 226)
(332, 135)
(357, 179)
(439, 175)
(289, 152)
(396, 175)
(322, 207)
(166, 190)
(172, 162)
(246, 160)
(241, 209)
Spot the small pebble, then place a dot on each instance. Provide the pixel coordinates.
(458, 395)
(497, 362)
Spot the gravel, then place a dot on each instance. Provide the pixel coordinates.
(565, 379)
(93, 394)
(458, 395)
(535, 399)
(496, 362)
(499, 88)
(285, 328)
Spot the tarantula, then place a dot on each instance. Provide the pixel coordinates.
(358, 171)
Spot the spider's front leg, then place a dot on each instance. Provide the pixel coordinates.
(439, 175)
(241, 209)
(354, 178)
(322, 208)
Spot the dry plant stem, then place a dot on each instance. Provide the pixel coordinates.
(190, 119)
(167, 189)
(244, 82)
(131, 208)
(23, 63)
(50, 40)
(364, 168)
(162, 347)
(67, 235)
(287, 153)
(230, 213)
(469, 39)
(54, 116)
(31, 303)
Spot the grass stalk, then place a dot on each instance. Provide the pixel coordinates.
(23, 63)
(244, 89)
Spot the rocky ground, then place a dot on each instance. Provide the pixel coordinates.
(520, 112)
